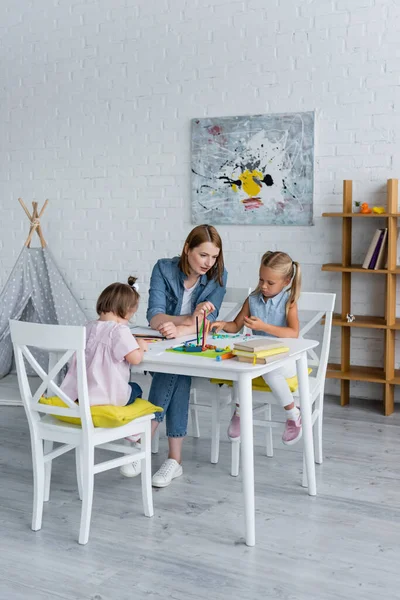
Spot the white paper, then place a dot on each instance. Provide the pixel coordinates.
(146, 332)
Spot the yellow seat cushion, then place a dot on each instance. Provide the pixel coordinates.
(259, 384)
(107, 415)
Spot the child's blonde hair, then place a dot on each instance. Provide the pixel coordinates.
(288, 268)
(118, 298)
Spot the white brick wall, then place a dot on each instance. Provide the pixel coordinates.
(97, 98)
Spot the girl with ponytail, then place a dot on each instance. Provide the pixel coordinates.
(271, 310)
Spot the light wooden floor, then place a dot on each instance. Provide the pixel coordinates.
(343, 544)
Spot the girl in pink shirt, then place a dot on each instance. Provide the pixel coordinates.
(110, 349)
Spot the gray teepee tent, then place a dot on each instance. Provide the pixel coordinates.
(35, 291)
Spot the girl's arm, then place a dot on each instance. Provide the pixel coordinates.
(290, 331)
(235, 325)
(136, 356)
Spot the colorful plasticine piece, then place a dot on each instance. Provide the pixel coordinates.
(193, 349)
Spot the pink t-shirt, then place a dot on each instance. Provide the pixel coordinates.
(107, 344)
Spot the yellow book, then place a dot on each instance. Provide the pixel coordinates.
(261, 353)
(261, 361)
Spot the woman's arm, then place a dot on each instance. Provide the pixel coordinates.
(156, 311)
(216, 298)
(169, 330)
(290, 331)
(161, 318)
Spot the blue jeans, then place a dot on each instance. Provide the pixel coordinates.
(135, 393)
(171, 392)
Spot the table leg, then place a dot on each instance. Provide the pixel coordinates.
(305, 405)
(247, 449)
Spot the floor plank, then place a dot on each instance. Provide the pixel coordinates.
(344, 543)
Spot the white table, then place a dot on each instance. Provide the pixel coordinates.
(159, 361)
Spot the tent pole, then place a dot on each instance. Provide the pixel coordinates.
(35, 222)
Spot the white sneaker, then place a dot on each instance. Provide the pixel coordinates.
(132, 469)
(134, 438)
(169, 470)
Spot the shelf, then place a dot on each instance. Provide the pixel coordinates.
(388, 323)
(355, 269)
(363, 321)
(360, 215)
(339, 268)
(356, 373)
(396, 378)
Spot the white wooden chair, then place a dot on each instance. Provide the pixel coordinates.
(323, 305)
(46, 429)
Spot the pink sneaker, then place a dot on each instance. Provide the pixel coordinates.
(293, 432)
(234, 427)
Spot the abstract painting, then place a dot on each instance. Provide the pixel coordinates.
(253, 170)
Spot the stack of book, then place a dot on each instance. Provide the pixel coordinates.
(377, 252)
(259, 351)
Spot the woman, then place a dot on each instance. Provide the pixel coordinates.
(181, 289)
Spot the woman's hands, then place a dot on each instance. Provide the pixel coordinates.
(204, 307)
(168, 330)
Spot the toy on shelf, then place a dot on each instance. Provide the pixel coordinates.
(350, 318)
(379, 210)
(365, 209)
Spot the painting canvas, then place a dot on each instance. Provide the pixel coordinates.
(254, 170)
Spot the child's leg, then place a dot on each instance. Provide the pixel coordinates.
(136, 392)
(135, 468)
(280, 388)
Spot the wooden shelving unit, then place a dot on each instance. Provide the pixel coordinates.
(387, 375)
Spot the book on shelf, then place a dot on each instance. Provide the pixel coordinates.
(261, 360)
(381, 258)
(376, 254)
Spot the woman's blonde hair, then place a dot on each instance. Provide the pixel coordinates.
(289, 269)
(118, 298)
(199, 235)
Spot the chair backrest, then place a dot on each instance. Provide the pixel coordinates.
(235, 297)
(321, 305)
(63, 342)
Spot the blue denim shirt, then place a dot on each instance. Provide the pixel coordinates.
(167, 287)
(271, 311)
